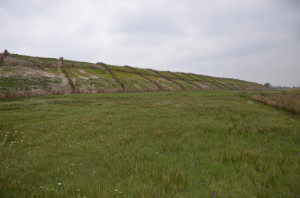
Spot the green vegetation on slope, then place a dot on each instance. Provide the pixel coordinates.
(27, 83)
(134, 81)
(91, 78)
(184, 144)
(83, 77)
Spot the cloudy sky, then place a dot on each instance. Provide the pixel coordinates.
(255, 40)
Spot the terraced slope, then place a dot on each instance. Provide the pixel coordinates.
(22, 76)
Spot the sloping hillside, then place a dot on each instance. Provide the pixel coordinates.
(22, 76)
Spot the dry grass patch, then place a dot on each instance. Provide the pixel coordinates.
(290, 102)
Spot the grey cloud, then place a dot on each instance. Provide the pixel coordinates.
(148, 21)
(21, 9)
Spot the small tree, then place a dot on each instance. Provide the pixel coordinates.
(6, 53)
(267, 85)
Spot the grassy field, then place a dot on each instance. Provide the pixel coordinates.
(156, 145)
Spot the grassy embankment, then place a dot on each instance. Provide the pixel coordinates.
(26, 76)
(184, 144)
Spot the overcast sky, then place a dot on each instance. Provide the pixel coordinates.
(255, 40)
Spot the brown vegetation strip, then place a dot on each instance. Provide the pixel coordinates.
(188, 81)
(33, 93)
(114, 76)
(200, 81)
(167, 78)
(209, 80)
(122, 70)
(249, 85)
(150, 80)
(132, 72)
(69, 78)
(226, 83)
(288, 102)
(217, 83)
(1, 58)
(234, 84)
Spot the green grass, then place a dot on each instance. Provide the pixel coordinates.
(42, 62)
(165, 83)
(185, 84)
(98, 72)
(85, 78)
(250, 85)
(31, 57)
(134, 81)
(127, 76)
(121, 68)
(183, 76)
(55, 71)
(15, 83)
(146, 72)
(231, 83)
(164, 144)
(73, 72)
(168, 74)
(8, 69)
(76, 64)
(213, 84)
(96, 83)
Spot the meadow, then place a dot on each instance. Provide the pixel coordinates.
(154, 145)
